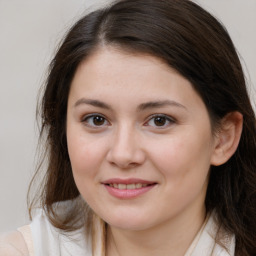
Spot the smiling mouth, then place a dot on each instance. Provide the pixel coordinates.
(128, 186)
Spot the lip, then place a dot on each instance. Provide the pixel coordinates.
(128, 193)
(127, 181)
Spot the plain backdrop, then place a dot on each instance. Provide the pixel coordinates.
(30, 31)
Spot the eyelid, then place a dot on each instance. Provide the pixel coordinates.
(170, 119)
(92, 115)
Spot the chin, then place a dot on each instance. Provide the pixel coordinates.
(128, 222)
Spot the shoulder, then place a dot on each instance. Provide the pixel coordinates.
(13, 244)
(48, 238)
(224, 240)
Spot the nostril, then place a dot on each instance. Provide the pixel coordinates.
(132, 165)
(125, 157)
(125, 165)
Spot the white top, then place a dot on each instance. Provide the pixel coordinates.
(43, 239)
(47, 240)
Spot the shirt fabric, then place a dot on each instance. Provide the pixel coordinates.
(43, 239)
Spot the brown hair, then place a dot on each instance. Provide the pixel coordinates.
(194, 43)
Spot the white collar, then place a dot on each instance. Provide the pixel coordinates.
(212, 240)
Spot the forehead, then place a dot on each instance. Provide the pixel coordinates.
(114, 75)
(110, 60)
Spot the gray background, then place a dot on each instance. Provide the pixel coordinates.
(29, 33)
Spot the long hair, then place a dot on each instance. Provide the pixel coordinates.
(196, 45)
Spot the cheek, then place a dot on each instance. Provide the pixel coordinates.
(183, 158)
(84, 154)
(84, 159)
(184, 163)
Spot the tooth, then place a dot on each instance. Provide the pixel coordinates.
(138, 185)
(121, 186)
(144, 185)
(131, 186)
(115, 185)
(111, 185)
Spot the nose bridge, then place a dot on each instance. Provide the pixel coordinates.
(125, 148)
(124, 141)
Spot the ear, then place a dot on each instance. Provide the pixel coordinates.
(227, 139)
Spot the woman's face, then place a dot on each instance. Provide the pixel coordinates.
(139, 140)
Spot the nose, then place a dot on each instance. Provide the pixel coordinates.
(126, 150)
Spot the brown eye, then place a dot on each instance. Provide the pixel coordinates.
(95, 121)
(98, 120)
(160, 121)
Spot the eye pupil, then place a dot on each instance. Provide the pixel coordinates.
(160, 121)
(98, 120)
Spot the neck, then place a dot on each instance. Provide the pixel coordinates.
(172, 237)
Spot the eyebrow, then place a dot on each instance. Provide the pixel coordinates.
(95, 103)
(141, 107)
(159, 104)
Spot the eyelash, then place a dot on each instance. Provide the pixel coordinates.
(91, 118)
(86, 120)
(166, 119)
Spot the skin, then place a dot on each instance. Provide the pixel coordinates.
(127, 143)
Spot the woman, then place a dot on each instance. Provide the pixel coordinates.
(150, 139)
